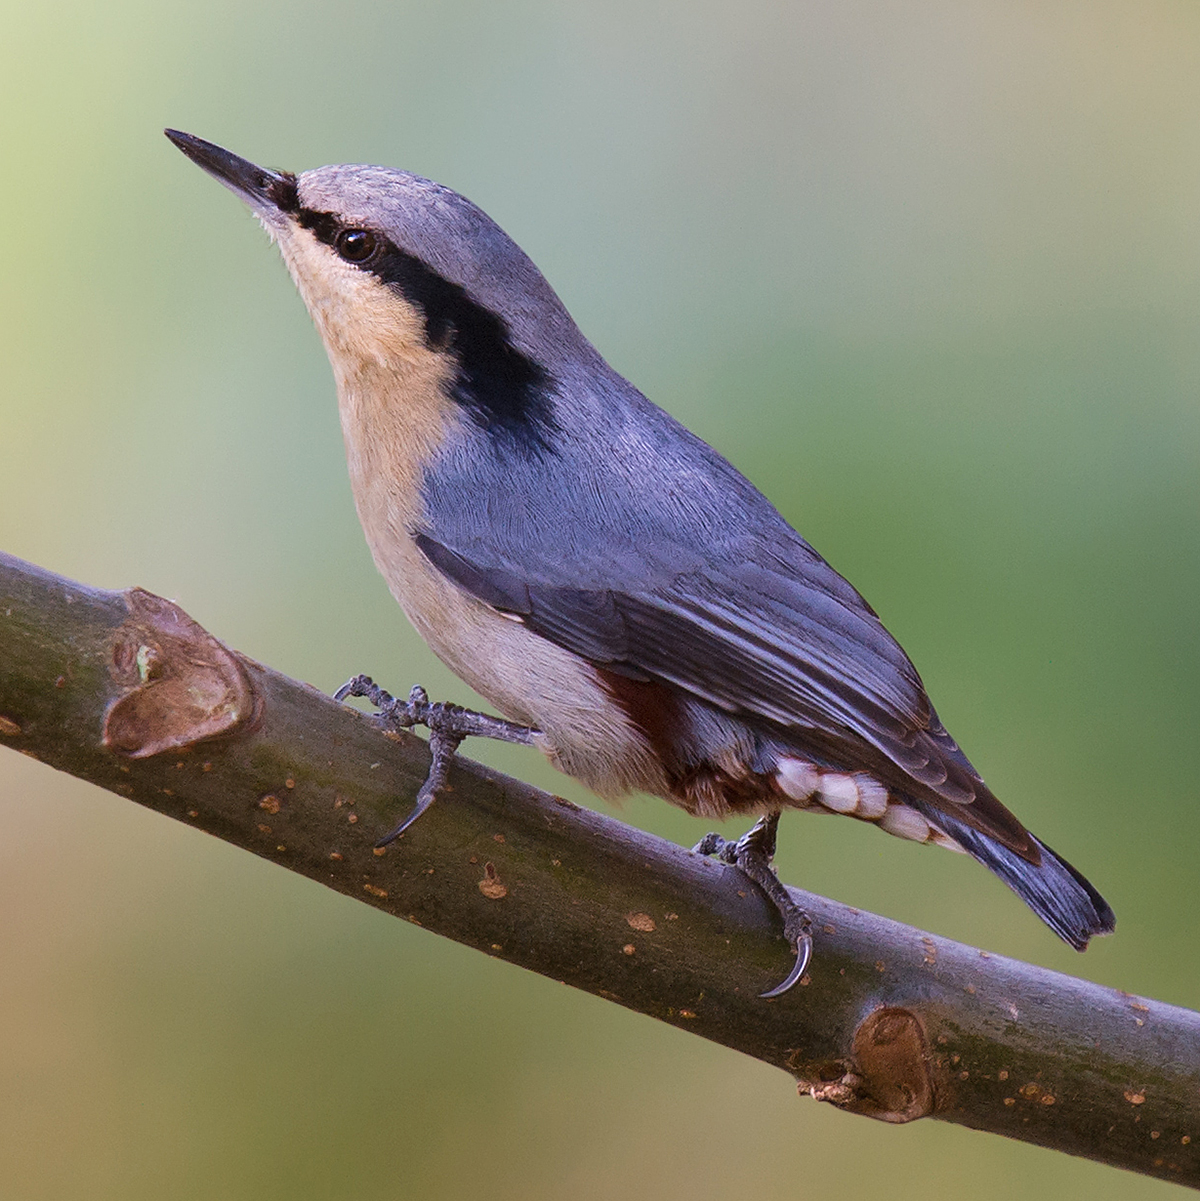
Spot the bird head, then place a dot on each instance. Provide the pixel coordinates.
(404, 275)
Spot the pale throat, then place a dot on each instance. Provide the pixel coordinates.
(392, 388)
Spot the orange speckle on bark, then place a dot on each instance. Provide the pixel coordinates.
(490, 885)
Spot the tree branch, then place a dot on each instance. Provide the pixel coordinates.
(125, 690)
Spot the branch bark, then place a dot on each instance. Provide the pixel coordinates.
(125, 690)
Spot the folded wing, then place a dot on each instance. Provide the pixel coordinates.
(777, 639)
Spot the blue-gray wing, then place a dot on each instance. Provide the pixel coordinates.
(772, 636)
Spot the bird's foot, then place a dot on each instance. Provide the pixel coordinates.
(752, 855)
(448, 725)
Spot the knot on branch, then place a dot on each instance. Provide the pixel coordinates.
(890, 1077)
(181, 685)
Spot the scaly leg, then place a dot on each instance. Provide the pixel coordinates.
(448, 725)
(752, 855)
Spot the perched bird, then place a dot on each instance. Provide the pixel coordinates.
(635, 607)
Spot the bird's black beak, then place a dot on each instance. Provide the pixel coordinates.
(265, 191)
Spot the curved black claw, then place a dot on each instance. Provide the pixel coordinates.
(448, 725)
(442, 746)
(752, 854)
(802, 944)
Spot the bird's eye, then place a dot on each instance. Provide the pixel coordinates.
(356, 245)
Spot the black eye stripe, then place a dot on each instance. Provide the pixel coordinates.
(354, 244)
(507, 392)
(325, 226)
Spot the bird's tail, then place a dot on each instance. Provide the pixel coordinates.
(1055, 891)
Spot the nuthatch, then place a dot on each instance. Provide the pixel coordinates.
(639, 611)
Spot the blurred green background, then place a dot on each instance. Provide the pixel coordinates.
(928, 273)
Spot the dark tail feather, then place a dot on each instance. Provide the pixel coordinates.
(1055, 891)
